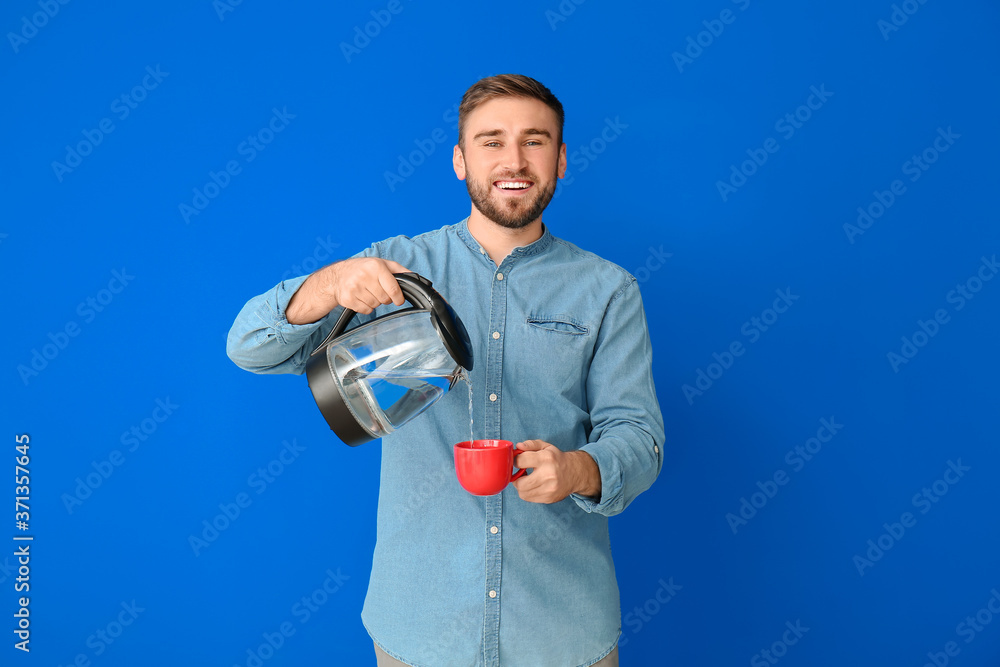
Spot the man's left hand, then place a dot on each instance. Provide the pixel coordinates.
(555, 474)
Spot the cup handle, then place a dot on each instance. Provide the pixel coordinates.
(520, 472)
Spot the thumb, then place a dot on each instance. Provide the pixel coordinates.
(531, 445)
(395, 267)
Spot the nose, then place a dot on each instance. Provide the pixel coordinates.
(515, 158)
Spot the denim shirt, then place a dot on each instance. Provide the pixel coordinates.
(562, 354)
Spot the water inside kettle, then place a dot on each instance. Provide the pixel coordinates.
(391, 397)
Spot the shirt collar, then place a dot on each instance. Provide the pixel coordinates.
(535, 248)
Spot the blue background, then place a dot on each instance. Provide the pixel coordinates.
(319, 191)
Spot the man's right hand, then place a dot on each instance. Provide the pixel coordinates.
(360, 284)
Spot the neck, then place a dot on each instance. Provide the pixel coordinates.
(497, 240)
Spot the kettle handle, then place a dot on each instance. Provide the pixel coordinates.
(414, 288)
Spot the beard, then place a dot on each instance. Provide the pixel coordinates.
(514, 213)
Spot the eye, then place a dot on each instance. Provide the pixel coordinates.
(492, 144)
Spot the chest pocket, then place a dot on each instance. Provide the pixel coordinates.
(561, 347)
(560, 324)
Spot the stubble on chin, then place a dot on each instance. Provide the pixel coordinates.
(517, 215)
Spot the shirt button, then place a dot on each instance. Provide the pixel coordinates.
(499, 276)
(482, 252)
(493, 594)
(496, 335)
(494, 530)
(656, 448)
(493, 397)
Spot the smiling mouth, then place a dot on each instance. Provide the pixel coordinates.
(513, 186)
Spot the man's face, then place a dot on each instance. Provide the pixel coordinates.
(511, 160)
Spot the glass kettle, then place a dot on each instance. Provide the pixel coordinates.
(374, 378)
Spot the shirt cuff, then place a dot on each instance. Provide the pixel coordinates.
(272, 313)
(612, 482)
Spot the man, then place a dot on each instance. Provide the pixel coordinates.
(562, 367)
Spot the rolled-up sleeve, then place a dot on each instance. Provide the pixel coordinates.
(627, 433)
(262, 340)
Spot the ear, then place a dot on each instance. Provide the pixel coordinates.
(562, 161)
(458, 162)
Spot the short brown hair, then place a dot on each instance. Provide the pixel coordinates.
(506, 85)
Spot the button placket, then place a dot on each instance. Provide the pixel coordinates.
(494, 504)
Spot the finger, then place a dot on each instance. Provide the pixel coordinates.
(359, 306)
(522, 492)
(363, 301)
(390, 289)
(524, 485)
(377, 294)
(526, 460)
(531, 488)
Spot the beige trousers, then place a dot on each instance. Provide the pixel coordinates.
(385, 660)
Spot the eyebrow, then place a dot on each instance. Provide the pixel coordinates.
(500, 133)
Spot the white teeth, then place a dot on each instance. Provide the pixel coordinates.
(512, 185)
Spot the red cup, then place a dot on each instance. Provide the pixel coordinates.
(484, 467)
